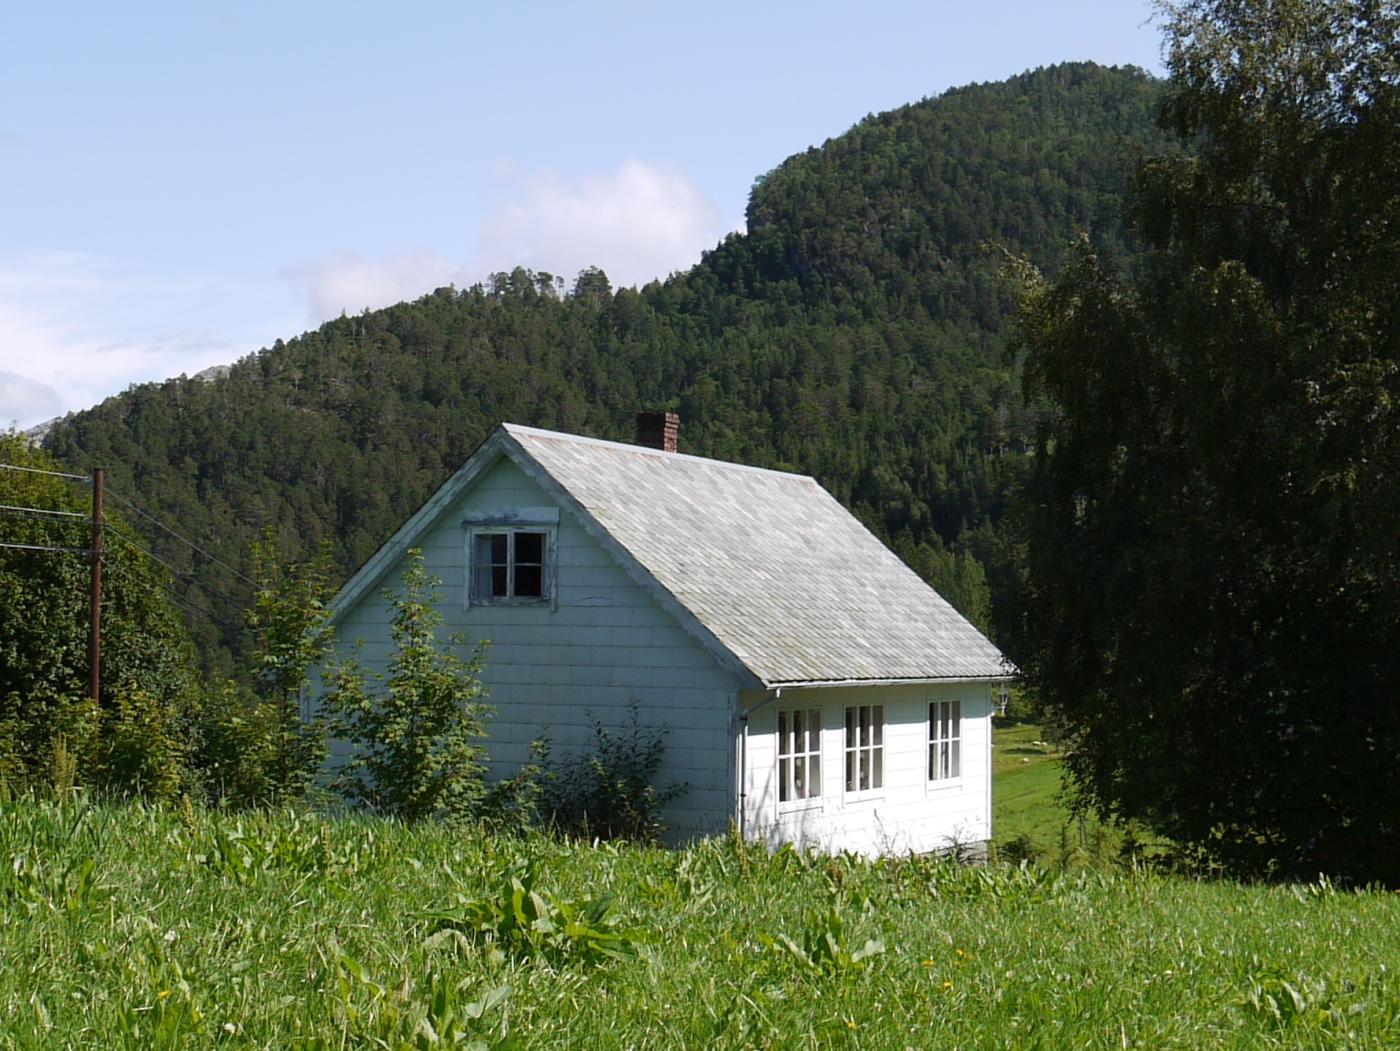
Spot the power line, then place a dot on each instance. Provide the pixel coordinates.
(46, 547)
(184, 540)
(188, 608)
(43, 511)
(36, 470)
(183, 574)
(175, 600)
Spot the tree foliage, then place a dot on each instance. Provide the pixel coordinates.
(1214, 582)
(855, 332)
(415, 734)
(133, 738)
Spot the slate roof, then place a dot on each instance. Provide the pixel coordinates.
(769, 564)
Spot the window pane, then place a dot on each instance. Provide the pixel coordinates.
(933, 762)
(799, 779)
(877, 768)
(956, 706)
(783, 777)
(529, 547)
(814, 776)
(879, 720)
(498, 581)
(865, 724)
(498, 548)
(529, 581)
(782, 733)
(850, 727)
(955, 763)
(850, 771)
(814, 730)
(864, 755)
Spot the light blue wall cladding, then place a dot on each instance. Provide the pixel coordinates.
(603, 645)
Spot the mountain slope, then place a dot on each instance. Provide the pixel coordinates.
(856, 332)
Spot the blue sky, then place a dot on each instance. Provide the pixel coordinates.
(184, 183)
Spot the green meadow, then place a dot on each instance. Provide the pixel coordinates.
(128, 926)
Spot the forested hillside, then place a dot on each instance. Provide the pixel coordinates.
(857, 332)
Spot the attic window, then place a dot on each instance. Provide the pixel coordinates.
(509, 565)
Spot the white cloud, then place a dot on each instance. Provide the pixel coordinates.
(77, 328)
(71, 334)
(346, 282)
(637, 223)
(23, 402)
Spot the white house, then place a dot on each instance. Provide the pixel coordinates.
(815, 689)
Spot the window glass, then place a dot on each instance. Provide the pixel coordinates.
(489, 560)
(865, 747)
(509, 565)
(944, 740)
(799, 754)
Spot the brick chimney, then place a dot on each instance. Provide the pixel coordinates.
(658, 430)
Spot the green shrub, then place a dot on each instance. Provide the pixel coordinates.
(610, 792)
(139, 751)
(416, 733)
(247, 757)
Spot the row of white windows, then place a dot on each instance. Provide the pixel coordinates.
(800, 748)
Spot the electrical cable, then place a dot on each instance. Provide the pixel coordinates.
(189, 543)
(40, 511)
(183, 574)
(36, 470)
(45, 547)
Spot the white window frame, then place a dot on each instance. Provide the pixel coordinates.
(944, 766)
(544, 521)
(871, 750)
(794, 752)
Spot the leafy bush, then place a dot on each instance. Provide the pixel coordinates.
(138, 747)
(524, 921)
(610, 792)
(247, 757)
(416, 735)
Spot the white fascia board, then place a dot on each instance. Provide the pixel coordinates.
(639, 574)
(369, 575)
(946, 680)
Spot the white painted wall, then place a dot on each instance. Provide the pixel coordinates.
(910, 813)
(602, 646)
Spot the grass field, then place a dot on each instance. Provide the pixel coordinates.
(133, 927)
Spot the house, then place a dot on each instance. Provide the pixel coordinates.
(814, 688)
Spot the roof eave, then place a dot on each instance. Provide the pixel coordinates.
(378, 565)
(921, 680)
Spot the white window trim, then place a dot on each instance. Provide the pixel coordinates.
(818, 801)
(857, 794)
(510, 521)
(938, 784)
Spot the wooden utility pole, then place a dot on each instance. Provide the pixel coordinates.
(95, 625)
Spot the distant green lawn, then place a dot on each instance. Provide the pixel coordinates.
(1026, 789)
(1027, 801)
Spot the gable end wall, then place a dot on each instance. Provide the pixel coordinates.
(603, 645)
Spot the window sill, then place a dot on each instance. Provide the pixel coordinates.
(799, 806)
(943, 784)
(531, 601)
(872, 795)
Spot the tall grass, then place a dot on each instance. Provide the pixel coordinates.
(142, 927)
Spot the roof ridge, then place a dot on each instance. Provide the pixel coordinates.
(518, 430)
